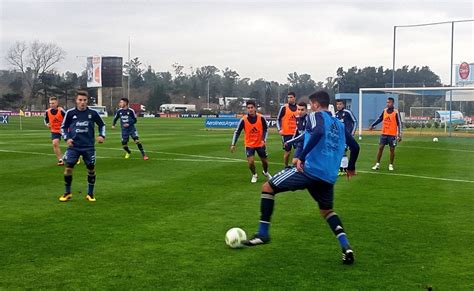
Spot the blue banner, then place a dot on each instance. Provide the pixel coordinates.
(222, 122)
(227, 115)
(3, 119)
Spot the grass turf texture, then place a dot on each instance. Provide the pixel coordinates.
(161, 223)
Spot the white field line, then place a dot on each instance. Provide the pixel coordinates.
(226, 160)
(423, 148)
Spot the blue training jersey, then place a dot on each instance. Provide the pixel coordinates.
(126, 116)
(79, 126)
(347, 117)
(322, 160)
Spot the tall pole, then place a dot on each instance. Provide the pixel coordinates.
(451, 79)
(208, 96)
(128, 80)
(393, 55)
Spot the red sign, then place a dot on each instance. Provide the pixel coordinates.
(464, 70)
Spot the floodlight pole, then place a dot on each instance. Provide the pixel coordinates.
(393, 55)
(128, 79)
(451, 81)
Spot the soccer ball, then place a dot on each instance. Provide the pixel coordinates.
(234, 237)
(435, 139)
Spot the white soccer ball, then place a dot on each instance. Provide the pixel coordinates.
(234, 237)
(435, 139)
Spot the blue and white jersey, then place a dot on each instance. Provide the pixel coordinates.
(298, 137)
(324, 144)
(126, 116)
(347, 117)
(79, 126)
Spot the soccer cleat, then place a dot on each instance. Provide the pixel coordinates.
(267, 174)
(390, 167)
(145, 157)
(347, 257)
(65, 197)
(376, 167)
(254, 178)
(127, 155)
(78, 161)
(60, 163)
(256, 240)
(90, 198)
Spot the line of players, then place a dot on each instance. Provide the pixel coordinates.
(77, 128)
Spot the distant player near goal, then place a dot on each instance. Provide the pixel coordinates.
(391, 132)
(286, 125)
(53, 118)
(298, 138)
(350, 123)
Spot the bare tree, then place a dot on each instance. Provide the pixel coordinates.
(33, 60)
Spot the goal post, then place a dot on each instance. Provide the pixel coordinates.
(448, 94)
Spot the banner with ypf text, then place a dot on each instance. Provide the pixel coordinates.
(94, 74)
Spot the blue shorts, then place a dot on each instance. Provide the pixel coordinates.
(292, 180)
(298, 150)
(126, 133)
(55, 135)
(388, 140)
(284, 139)
(261, 151)
(72, 155)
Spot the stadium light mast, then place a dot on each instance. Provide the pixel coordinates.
(451, 62)
(128, 79)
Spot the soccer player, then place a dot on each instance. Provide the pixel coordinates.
(298, 138)
(78, 132)
(255, 127)
(128, 119)
(391, 132)
(286, 124)
(53, 118)
(350, 123)
(316, 171)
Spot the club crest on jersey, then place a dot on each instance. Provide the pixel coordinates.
(89, 116)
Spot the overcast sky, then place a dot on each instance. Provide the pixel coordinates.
(258, 39)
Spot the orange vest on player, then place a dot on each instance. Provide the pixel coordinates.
(253, 132)
(288, 122)
(389, 125)
(55, 120)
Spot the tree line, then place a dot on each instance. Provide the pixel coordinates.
(32, 79)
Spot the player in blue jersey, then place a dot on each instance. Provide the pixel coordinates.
(128, 119)
(298, 138)
(316, 171)
(350, 123)
(78, 132)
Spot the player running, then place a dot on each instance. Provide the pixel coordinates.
(298, 138)
(350, 123)
(391, 132)
(255, 127)
(53, 118)
(316, 171)
(78, 132)
(286, 124)
(128, 119)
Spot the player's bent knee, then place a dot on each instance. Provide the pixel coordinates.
(325, 212)
(267, 188)
(90, 167)
(68, 170)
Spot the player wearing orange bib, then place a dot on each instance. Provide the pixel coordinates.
(53, 118)
(391, 132)
(286, 124)
(255, 128)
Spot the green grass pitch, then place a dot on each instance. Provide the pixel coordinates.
(161, 223)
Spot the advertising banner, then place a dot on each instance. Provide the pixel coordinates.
(94, 74)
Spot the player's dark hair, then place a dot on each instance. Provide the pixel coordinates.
(53, 98)
(251, 102)
(302, 104)
(291, 93)
(340, 100)
(82, 93)
(124, 99)
(391, 99)
(322, 97)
